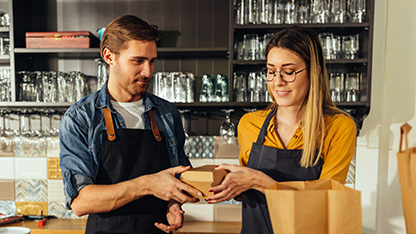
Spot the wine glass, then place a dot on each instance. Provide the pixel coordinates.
(7, 133)
(227, 129)
(186, 145)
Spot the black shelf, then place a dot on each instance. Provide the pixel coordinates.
(55, 51)
(163, 52)
(20, 104)
(97, 50)
(282, 26)
(222, 104)
(329, 61)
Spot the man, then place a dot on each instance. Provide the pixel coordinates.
(121, 147)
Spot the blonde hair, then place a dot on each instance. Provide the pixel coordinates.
(317, 103)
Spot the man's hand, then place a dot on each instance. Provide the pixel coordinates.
(174, 215)
(166, 186)
(100, 198)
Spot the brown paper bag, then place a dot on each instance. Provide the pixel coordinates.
(314, 207)
(406, 162)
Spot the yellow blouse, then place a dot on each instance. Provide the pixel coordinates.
(337, 151)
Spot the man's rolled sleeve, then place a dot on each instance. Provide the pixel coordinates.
(76, 159)
(73, 183)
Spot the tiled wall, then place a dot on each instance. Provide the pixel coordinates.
(31, 181)
(30, 173)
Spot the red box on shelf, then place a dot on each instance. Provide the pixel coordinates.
(68, 39)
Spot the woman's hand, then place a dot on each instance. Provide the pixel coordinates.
(174, 215)
(238, 180)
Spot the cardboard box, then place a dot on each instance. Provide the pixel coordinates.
(203, 178)
(68, 39)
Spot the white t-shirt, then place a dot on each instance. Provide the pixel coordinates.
(132, 113)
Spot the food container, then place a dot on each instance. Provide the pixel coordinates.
(203, 178)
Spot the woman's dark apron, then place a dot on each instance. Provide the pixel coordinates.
(126, 154)
(279, 164)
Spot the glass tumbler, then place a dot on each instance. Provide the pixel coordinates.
(290, 12)
(336, 87)
(357, 10)
(239, 12)
(319, 11)
(278, 11)
(190, 79)
(251, 46)
(251, 11)
(352, 87)
(240, 86)
(27, 86)
(338, 11)
(302, 12)
(207, 89)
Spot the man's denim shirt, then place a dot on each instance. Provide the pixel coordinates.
(81, 131)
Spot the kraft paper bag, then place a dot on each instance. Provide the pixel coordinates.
(406, 162)
(314, 207)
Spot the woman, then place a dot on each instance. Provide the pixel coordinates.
(301, 136)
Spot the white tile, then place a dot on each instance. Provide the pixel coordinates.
(227, 161)
(7, 168)
(31, 168)
(198, 212)
(56, 191)
(197, 162)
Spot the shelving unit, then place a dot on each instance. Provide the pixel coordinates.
(204, 45)
(363, 64)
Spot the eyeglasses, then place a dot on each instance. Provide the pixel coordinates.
(287, 74)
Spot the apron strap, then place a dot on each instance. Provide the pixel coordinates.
(111, 134)
(263, 130)
(154, 126)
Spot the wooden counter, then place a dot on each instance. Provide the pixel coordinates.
(77, 226)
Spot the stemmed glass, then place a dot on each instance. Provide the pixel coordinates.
(102, 72)
(227, 129)
(51, 133)
(23, 140)
(187, 143)
(6, 133)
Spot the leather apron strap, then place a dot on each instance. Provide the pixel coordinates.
(110, 126)
(154, 126)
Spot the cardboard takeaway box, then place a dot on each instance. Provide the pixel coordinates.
(203, 178)
(314, 207)
(67, 39)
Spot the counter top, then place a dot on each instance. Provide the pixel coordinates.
(77, 226)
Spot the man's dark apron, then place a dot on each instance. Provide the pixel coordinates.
(126, 154)
(279, 164)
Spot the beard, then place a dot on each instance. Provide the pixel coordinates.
(143, 90)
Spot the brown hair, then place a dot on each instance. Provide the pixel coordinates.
(124, 29)
(317, 103)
